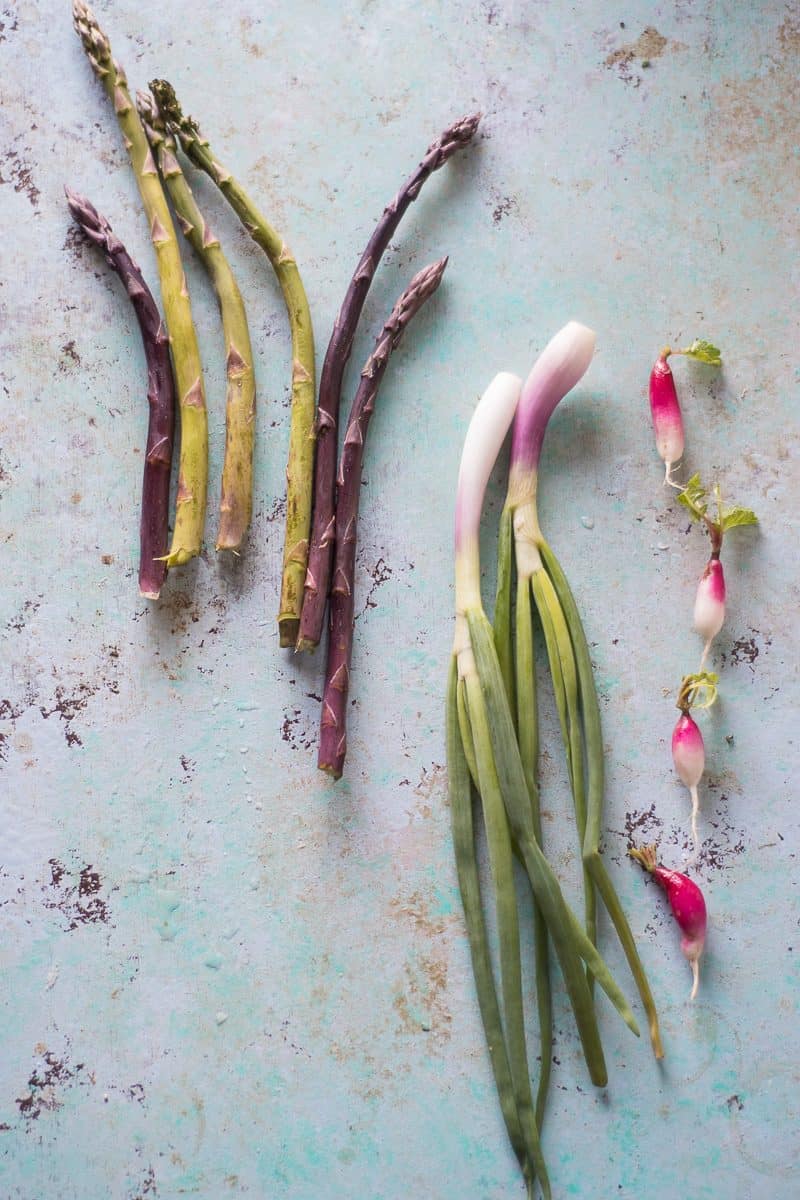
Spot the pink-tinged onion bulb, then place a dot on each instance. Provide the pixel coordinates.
(689, 757)
(688, 908)
(557, 370)
(666, 413)
(709, 604)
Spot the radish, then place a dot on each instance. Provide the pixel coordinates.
(689, 757)
(666, 412)
(709, 604)
(664, 404)
(688, 908)
(688, 750)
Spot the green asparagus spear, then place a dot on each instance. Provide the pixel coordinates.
(236, 504)
(300, 469)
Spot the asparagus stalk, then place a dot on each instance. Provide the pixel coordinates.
(236, 504)
(187, 536)
(154, 527)
(323, 535)
(333, 726)
(300, 469)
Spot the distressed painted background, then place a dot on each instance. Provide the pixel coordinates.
(221, 974)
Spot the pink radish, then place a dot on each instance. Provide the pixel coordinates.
(689, 757)
(664, 405)
(709, 604)
(688, 908)
(666, 413)
(688, 750)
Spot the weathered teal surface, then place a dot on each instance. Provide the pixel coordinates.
(221, 974)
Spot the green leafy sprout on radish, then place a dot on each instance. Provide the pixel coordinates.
(709, 605)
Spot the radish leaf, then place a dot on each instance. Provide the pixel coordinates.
(704, 352)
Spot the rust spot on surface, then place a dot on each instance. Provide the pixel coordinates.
(9, 24)
(379, 573)
(504, 206)
(51, 1074)
(421, 1004)
(18, 622)
(789, 35)
(296, 731)
(79, 903)
(69, 357)
(649, 45)
(16, 171)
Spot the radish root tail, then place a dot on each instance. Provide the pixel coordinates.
(695, 978)
(668, 480)
(706, 652)
(695, 811)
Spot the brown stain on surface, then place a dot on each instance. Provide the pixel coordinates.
(758, 118)
(416, 909)
(649, 45)
(51, 1074)
(421, 1003)
(79, 903)
(15, 170)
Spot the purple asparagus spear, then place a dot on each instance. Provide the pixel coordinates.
(153, 532)
(323, 524)
(333, 731)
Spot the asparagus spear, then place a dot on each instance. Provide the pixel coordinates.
(236, 504)
(190, 514)
(153, 531)
(300, 469)
(333, 731)
(323, 530)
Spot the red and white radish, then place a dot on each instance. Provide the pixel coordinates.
(665, 410)
(709, 604)
(688, 908)
(689, 757)
(688, 749)
(664, 404)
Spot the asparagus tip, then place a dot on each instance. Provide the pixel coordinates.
(95, 42)
(94, 225)
(456, 136)
(168, 104)
(148, 109)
